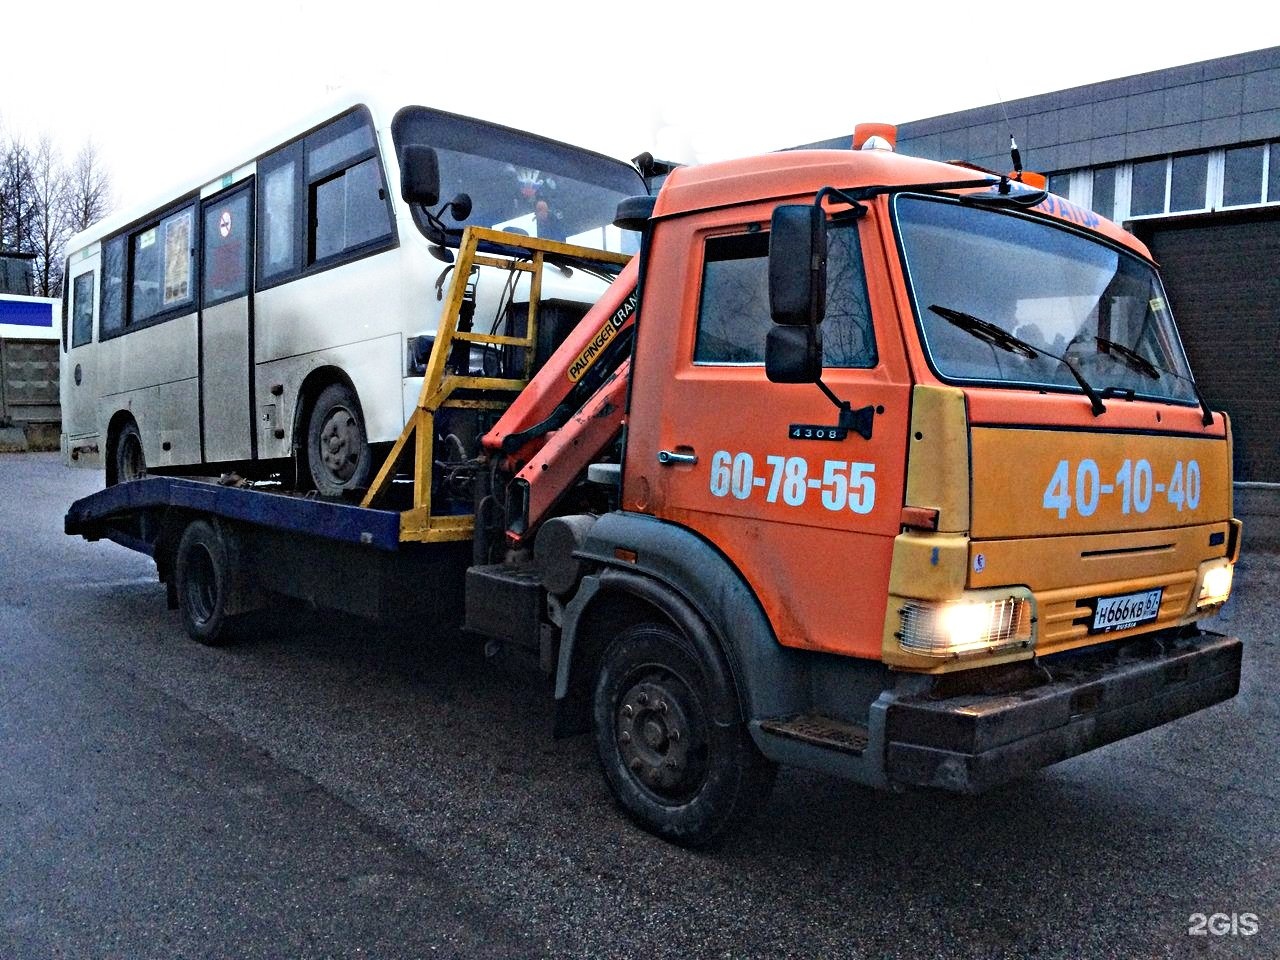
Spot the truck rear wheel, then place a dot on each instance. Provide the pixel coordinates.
(203, 572)
(675, 771)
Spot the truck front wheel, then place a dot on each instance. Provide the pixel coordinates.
(675, 771)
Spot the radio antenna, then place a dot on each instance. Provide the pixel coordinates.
(1014, 153)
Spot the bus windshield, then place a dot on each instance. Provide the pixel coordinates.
(1102, 309)
(522, 183)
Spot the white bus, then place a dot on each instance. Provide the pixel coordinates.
(277, 315)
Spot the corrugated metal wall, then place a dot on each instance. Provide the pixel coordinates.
(29, 381)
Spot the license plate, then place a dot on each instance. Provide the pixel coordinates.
(1125, 611)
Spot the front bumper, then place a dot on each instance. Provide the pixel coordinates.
(969, 740)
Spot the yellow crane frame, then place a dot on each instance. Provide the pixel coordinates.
(439, 386)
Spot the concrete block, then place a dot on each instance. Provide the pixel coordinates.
(1075, 123)
(1262, 90)
(1108, 117)
(1144, 143)
(1042, 129)
(1184, 104)
(1241, 63)
(1223, 97)
(1107, 150)
(1220, 132)
(13, 440)
(1264, 125)
(1145, 111)
(1157, 80)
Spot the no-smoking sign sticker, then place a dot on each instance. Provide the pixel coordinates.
(224, 223)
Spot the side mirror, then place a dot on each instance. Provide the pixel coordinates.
(634, 212)
(460, 206)
(793, 354)
(419, 174)
(798, 265)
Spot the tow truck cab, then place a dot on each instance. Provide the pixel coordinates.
(993, 557)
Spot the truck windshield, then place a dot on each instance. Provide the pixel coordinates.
(522, 183)
(1051, 288)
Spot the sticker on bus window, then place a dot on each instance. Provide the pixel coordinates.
(146, 239)
(177, 259)
(1156, 304)
(224, 224)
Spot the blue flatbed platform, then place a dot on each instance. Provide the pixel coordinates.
(107, 513)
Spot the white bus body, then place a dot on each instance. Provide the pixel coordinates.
(208, 328)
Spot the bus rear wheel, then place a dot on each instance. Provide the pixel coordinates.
(338, 455)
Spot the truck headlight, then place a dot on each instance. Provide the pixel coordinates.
(1215, 585)
(965, 627)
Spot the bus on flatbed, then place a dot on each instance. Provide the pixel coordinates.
(275, 315)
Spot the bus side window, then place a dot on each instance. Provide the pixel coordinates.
(111, 312)
(82, 311)
(346, 191)
(279, 214)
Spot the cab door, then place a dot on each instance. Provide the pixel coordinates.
(226, 327)
(806, 511)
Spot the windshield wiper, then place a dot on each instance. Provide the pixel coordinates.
(988, 332)
(1131, 358)
(1136, 361)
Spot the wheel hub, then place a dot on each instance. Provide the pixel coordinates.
(340, 443)
(655, 734)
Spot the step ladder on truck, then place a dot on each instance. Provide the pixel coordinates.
(878, 466)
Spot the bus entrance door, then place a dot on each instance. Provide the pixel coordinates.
(226, 327)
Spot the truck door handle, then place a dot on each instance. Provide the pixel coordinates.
(667, 458)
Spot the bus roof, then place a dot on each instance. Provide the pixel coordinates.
(382, 105)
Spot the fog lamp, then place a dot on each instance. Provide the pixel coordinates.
(1215, 586)
(965, 628)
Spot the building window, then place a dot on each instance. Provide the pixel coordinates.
(1273, 173)
(1104, 192)
(1146, 192)
(1187, 182)
(1060, 184)
(1242, 176)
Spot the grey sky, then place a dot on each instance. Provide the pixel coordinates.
(165, 89)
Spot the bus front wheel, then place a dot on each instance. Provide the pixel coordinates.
(338, 453)
(130, 461)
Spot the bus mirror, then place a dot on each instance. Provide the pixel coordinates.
(793, 354)
(798, 264)
(419, 174)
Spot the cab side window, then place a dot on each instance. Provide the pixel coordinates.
(733, 310)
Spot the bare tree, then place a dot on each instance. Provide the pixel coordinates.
(88, 195)
(43, 203)
(51, 226)
(17, 198)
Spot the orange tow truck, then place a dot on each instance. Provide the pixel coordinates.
(879, 466)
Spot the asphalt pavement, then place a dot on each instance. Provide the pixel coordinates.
(331, 791)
